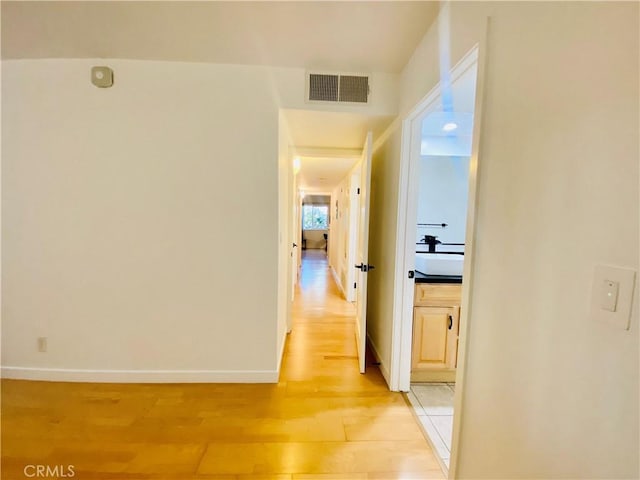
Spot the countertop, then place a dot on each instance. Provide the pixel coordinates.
(424, 278)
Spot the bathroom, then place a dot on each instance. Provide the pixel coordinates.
(441, 221)
(440, 236)
(442, 215)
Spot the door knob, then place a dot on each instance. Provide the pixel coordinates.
(365, 268)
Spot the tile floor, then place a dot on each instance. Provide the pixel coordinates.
(433, 404)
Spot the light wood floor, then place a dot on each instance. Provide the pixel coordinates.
(323, 420)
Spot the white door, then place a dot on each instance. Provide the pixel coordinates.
(362, 252)
(354, 225)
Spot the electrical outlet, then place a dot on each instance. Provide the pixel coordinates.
(42, 344)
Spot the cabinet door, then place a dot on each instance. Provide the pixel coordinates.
(435, 336)
(453, 328)
(437, 294)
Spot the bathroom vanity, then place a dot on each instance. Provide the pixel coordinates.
(436, 319)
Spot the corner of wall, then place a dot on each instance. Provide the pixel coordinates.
(382, 364)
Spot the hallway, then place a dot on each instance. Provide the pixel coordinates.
(323, 420)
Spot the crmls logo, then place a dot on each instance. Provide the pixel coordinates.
(48, 471)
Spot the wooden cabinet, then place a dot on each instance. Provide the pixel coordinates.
(435, 337)
(436, 321)
(437, 294)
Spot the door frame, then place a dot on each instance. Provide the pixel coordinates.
(402, 327)
(406, 229)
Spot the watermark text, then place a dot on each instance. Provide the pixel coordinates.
(49, 471)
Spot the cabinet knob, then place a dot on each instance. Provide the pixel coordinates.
(450, 322)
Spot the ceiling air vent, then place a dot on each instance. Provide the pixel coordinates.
(354, 89)
(323, 87)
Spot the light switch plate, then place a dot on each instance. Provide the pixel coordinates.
(612, 295)
(609, 295)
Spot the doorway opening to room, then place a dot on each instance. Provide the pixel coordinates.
(435, 248)
(315, 222)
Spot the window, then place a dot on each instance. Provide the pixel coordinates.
(315, 217)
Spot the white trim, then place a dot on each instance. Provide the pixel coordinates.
(470, 257)
(140, 376)
(337, 280)
(382, 365)
(326, 152)
(426, 435)
(405, 234)
(282, 347)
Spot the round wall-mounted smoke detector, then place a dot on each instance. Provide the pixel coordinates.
(102, 77)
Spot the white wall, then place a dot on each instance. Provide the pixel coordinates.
(422, 72)
(125, 228)
(130, 216)
(418, 77)
(315, 238)
(548, 392)
(442, 197)
(343, 231)
(339, 232)
(382, 243)
(558, 194)
(286, 195)
(334, 250)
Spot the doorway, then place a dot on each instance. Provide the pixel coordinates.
(315, 221)
(329, 195)
(435, 245)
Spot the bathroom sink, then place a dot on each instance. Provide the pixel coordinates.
(439, 264)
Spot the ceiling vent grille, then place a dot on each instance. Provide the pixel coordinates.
(354, 88)
(323, 87)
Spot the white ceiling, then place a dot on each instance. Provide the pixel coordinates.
(348, 36)
(335, 130)
(359, 36)
(323, 174)
(329, 133)
(332, 129)
(435, 141)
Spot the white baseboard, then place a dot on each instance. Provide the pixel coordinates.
(140, 376)
(284, 343)
(337, 280)
(383, 367)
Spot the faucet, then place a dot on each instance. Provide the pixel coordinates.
(432, 241)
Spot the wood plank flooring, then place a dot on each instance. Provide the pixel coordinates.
(323, 420)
